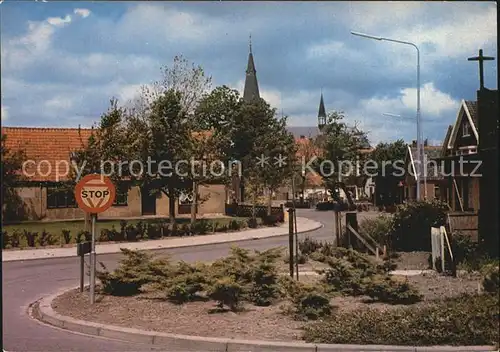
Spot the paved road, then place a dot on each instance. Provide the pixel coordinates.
(25, 282)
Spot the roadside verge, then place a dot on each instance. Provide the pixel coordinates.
(303, 225)
(42, 310)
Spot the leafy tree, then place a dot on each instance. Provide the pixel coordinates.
(389, 153)
(307, 149)
(12, 161)
(340, 145)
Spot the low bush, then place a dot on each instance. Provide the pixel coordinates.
(46, 239)
(227, 292)
(318, 256)
(412, 222)
(270, 220)
(15, 239)
(308, 301)
(343, 277)
(201, 227)
(252, 223)
(5, 240)
(491, 280)
(131, 233)
(378, 228)
(30, 238)
(300, 259)
(154, 231)
(66, 234)
(131, 274)
(309, 245)
(388, 289)
(465, 320)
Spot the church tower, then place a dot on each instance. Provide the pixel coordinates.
(251, 91)
(321, 113)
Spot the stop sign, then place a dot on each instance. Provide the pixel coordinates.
(95, 193)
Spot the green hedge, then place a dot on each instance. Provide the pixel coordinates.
(466, 320)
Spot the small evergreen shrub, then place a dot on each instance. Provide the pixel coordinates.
(30, 238)
(388, 289)
(309, 245)
(378, 228)
(227, 292)
(15, 239)
(46, 239)
(491, 281)
(66, 234)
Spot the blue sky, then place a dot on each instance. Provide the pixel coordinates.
(63, 61)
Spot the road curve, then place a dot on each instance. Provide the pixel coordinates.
(25, 282)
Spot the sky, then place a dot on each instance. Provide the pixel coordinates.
(62, 62)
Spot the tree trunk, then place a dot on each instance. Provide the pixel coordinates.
(270, 203)
(171, 205)
(195, 202)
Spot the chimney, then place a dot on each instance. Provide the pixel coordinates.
(302, 136)
(413, 143)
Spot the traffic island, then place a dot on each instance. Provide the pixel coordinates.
(245, 297)
(43, 311)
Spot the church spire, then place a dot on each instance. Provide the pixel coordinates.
(321, 113)
(251, 90)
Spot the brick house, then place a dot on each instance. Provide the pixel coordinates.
(50, 149)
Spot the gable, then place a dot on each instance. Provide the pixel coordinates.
(464, 120)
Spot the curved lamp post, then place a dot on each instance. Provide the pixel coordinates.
(420, 149)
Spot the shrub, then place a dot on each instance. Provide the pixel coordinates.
(81, 236)
(318, 256)
(312, 305)
(15, 239)
(235, 225)
(46, 239)
(123, 227)
(466, 252)
(252, 223)
(131, 274)
(201, 227)
(300, 259)
(105, 235)
(141, 229)
(491, 281)
(465, 320)
(131, 234)
(270, 220)
(30, 238)
(153, 231)
(387, 266)
(226, 291)
(391, 290)
(308, 246)
(378, 228)
(410, 230)
(343, 277)
(264, 287)
(66, 234)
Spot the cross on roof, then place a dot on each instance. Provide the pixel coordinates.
(481, 59)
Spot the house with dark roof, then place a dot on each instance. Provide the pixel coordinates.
(48, 157)
(460, 159)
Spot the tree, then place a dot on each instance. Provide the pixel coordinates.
(182, 77)
(211, 139)
(340, 146)
(307, 149)
(388, 153)
(12, 161)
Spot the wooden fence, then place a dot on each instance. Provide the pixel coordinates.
(245, 210)
(464, 222)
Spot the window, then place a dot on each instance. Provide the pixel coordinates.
(465, 129)
(121, 198)
(58, 198)
(437, 192)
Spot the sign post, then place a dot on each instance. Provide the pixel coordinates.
(94, 194)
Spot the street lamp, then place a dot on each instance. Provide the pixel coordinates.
(420, 150)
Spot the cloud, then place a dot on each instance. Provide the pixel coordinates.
(58, 21)
(82, 12)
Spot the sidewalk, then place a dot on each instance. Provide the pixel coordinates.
(303, 225)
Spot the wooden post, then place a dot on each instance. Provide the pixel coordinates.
(290, 238)
(352, 220)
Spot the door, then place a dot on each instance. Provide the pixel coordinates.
(148, 202)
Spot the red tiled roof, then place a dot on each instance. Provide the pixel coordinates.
(45, 146)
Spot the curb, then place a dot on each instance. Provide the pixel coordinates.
(317, 225)
(42, 310)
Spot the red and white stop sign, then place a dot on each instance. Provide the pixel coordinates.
(95, 193)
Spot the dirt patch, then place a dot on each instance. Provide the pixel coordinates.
(413, 261)
(264, 323)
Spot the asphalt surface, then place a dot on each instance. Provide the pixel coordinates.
(26, 282)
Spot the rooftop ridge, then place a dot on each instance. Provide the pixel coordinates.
(46, 128)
